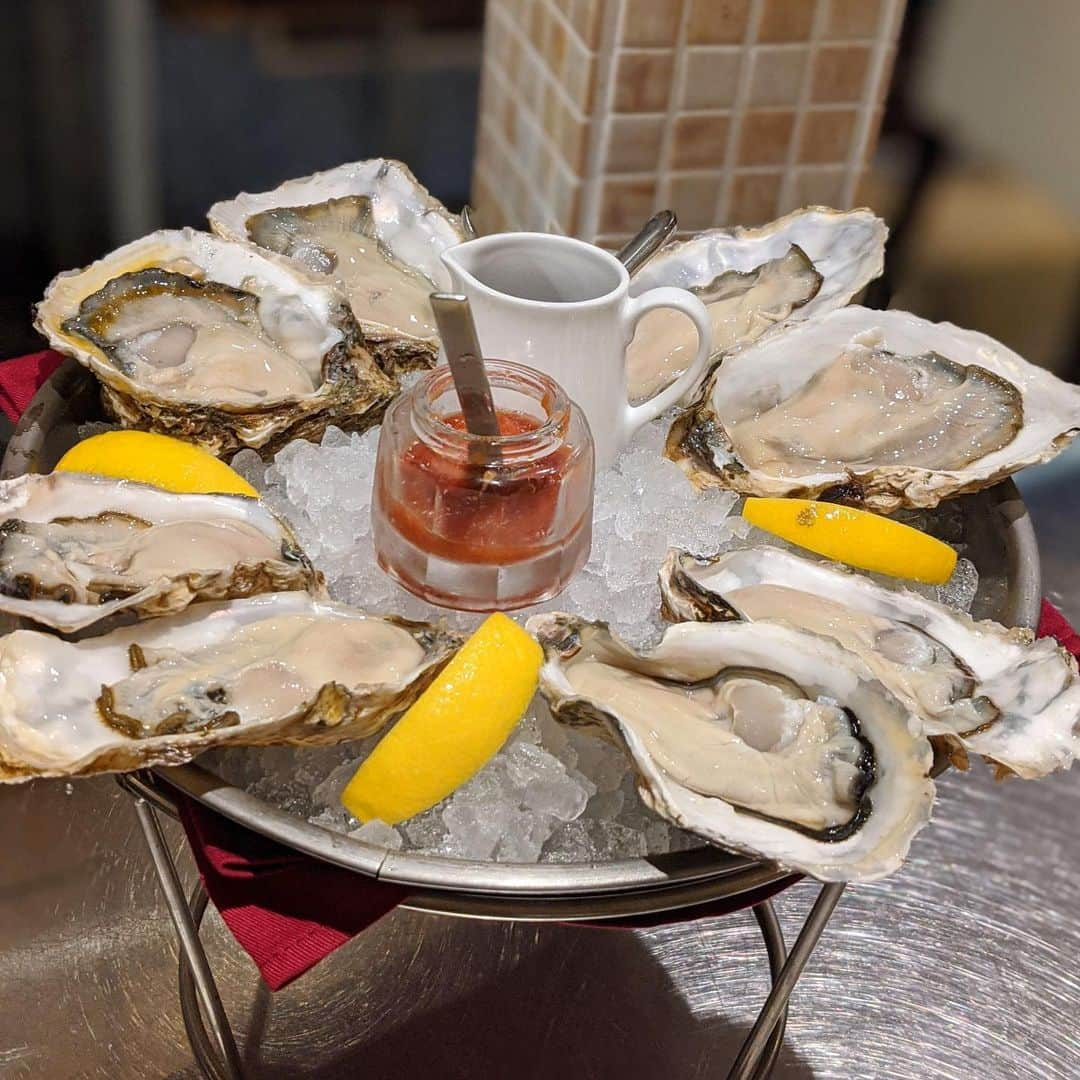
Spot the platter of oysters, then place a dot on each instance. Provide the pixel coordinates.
(702, 681)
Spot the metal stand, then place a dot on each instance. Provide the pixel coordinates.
(194, 966)
(773, 1015)
(215, 1049)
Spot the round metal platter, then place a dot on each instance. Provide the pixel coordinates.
(1001, 543)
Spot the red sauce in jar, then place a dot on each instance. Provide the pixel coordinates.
(474, 513)
(484, 524)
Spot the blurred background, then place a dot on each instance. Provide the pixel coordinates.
(123, 116)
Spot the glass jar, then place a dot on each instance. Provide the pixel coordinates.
(484, 523)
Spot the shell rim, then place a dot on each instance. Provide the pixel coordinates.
(755, 232)
(220, 228)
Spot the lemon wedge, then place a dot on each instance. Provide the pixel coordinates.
(160, 460)
(856, 537)
(453, 729)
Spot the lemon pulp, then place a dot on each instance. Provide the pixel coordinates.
(160, 460)
(856, 537)
(453, 729)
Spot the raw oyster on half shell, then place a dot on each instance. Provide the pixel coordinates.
(280, 668)
(976, 686)
(881, 408)
(752, 280)
(371, 229)
(76, 549)
(219, 343)
(758, 737)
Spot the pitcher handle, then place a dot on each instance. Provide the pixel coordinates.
(668, 297)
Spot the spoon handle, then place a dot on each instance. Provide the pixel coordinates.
(458, 332)
(640, 248)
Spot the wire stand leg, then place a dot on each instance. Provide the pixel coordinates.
(775, 1007)
(769, 924)
(192, 954)
(207, 1057)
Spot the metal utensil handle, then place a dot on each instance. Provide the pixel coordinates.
(462, 346)
(458, 332)
(467, 222)
(649, 239)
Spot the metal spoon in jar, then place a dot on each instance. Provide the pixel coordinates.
(453, 316)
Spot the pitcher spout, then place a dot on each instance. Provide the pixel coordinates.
(460, 263)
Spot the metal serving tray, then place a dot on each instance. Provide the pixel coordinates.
(1001, 544)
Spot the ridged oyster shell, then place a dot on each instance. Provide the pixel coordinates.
(753, 280)
(977, 686)
(373, 230)
(280, 668)
(758, 737)
(76, 549)
(219, 343)
(960, 397)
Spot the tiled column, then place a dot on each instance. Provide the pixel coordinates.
(594, 113)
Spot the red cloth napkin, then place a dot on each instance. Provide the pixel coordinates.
(20, 379)
(288, 910)
(1053, 624)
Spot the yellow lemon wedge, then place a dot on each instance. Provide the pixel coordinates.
(856, 537)
(160, 460)
(454, 728)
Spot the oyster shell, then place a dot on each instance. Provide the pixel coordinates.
(76, 549)
(758, 737)
(976, 685)
(219, 343)
(881, 408)
(751, 280)
(372, 229)
(281, 668)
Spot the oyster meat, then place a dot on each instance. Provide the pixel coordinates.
(752, 280)
(881, 407)
(76, 549)
(758, 737)
(371, 229)
(281, 668)
(895, 409)
(976, 686)
(219, 343)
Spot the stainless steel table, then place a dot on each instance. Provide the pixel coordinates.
(962, 965)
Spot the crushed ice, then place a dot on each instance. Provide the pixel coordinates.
(325, 493)
(552, 793)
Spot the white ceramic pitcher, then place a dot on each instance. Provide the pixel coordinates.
(563, 306)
